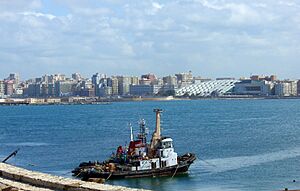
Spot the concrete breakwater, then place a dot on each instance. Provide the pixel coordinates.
(22, 179)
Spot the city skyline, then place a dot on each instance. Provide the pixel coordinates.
(213, 39)
(89, 76)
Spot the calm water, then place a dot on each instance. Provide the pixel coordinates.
(240, 144)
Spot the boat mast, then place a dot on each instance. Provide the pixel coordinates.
(143, 131)
(157, 133)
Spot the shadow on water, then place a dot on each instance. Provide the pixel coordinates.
(152, 183)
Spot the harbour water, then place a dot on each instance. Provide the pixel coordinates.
(241, 144)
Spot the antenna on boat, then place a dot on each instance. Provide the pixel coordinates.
(131, 133)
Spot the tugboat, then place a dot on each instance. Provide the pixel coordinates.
(140, 159)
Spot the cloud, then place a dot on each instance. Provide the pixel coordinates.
(127, 50)
(154, 8)
(36, 14)
(198, 35)
(288, 3)
(239, 13)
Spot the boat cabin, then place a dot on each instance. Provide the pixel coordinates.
(166, 153)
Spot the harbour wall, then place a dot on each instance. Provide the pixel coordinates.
(16, 175)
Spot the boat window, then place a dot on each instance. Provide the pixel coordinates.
(163, 164)
(167, 144)
(153, 165)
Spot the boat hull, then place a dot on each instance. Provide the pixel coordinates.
(183, 165)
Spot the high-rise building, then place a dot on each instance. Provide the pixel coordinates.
(286, 88)
(44, 89)
(76, 76)
(170, 80)
(124, 85)
(51, 90)
(97, 77)
(134, 80)
(15, 77)
(9, 87)
(184, 79)
(113, 83)
(2, 87)
(46, 79)
(298, 87)
(63, 88)
(58, 77)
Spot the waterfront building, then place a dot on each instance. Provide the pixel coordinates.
(254, 87)
(105, 91)
(208, 88)
(63, 88)
(168, 90)
(144, 90)
(226, 78)
(18, 92)
(87, 92)
(169, 85)
(156, 88)
(286, 88)
(34, 90)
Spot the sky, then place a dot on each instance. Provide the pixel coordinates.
(212, 38)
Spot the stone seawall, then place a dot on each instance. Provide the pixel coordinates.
(22, 179)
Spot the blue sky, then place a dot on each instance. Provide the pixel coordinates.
(216, 38)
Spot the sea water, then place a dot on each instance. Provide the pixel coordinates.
(240, 144)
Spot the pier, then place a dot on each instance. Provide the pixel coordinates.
(16, 178)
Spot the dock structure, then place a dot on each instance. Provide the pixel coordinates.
(16, 178)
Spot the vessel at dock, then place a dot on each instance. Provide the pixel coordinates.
(140, 159)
